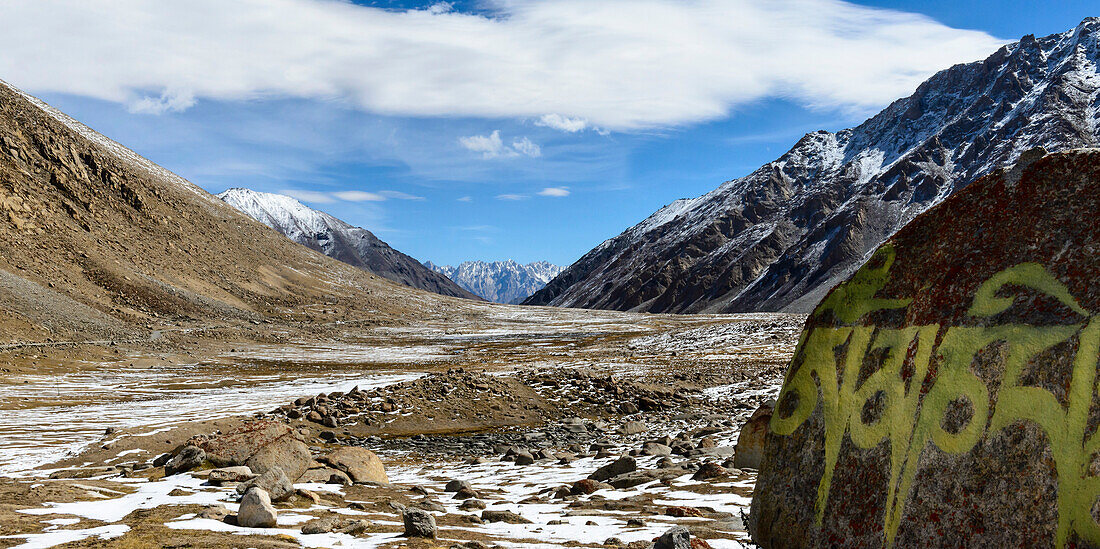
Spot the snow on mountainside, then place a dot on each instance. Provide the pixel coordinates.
(780, 237)
(339, 240)
(500, 281)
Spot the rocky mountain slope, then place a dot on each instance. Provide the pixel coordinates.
(101, 244)
(780, 237)
(500, 281)
(338, 239)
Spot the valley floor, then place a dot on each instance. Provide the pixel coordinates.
(458, 393)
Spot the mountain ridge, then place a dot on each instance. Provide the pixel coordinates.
(338, 239)
(102, 245)
(778, 238)
(499, 281)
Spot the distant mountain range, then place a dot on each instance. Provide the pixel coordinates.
(780, 237)
(339, 240)
(500, 281)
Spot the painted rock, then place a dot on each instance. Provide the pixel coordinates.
(946, 393)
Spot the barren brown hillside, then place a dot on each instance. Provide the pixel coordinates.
(98, 243)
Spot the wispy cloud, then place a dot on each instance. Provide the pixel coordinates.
(512, 197)
(616, 64)
(554, 191)
(492, 146)
(319, 197)
(169, 101)
(309, 196)
(466, 199)
(563, 123)
(398, 195)
(359, 196)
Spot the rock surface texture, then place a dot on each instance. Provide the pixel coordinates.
(946, 394)
(780, 237)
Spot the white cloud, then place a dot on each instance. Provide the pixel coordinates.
(398, 195)
(525, 146)
(563, 123)
(359, 196)
(440, 7)
(309, 196)
(492, 146)
(554, 191)
(167, 102)
(616, 64)
(466, 199)
(512, 197)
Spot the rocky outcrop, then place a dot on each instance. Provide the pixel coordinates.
(945, 394)
(782, 236)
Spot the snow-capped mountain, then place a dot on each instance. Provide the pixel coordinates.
(500, 281)
(780, 237)
(338, 239)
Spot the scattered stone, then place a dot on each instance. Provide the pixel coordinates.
(633, 428)
(213, 512)
(320, 526)
(622, 465)
(656, 449)
(256, 510)
(360, 464)
(750, 443)
(325, 475)
(455, 485)
(584, 486)
(274, 484)
(676, 537)
(471, 504)
(635, 523)
(419, 524)
(239, 473)
(466, 493)
(680, 511)
(524, 458)
(491, 515)
(709, 470)
(355, 527)
(188, 458)
(235, 447)
(286, 453)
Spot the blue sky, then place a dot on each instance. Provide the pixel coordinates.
(520, 129)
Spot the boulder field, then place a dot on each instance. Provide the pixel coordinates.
(946, 393)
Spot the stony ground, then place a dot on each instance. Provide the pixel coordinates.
(522, 409)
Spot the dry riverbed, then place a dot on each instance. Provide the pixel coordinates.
(521, 403)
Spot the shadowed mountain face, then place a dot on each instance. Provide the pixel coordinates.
(100, 243)
(339, 240)
(500, 281)
(779, 238)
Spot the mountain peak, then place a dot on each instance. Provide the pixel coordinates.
(780, 237)
(504, 281)
(338, 239)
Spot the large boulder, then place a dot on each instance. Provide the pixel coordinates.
(256, 510)
(750, 442)
(945, 394)
(287, 453)
(235, 447)
(359, 463)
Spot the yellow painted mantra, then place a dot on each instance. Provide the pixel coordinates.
(830, 361)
